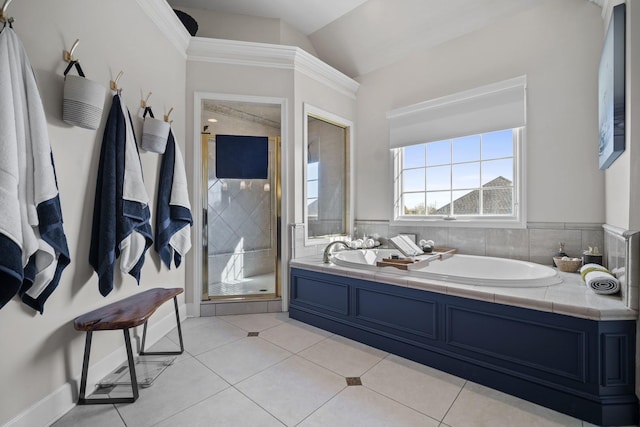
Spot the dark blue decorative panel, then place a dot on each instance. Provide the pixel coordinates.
(397, 312)
(615, 348)
(548, 348)
(327, 296)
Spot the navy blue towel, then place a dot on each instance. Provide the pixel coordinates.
(114, 218)
(173, 211)
(52, 232)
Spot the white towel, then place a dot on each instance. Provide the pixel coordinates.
(181, 240)
(599, 279)
(173, 210)
(31, 216)
(133, 247)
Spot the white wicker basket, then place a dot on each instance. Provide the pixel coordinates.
(155, 133)
(83, 102)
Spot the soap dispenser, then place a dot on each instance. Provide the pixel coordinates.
(561, 253)
(592, 256)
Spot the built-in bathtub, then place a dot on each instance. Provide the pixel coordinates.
(554, 343)
(464, 269)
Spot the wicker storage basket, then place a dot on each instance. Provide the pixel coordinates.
(568, 265)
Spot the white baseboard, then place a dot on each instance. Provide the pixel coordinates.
(48, 410)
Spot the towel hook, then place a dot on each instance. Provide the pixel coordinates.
(68, 55)
(143, 102)
(166, 116)
(3, 12)
(113, 84)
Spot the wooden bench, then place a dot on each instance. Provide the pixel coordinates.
(125, 314)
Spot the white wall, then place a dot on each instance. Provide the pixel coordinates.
(42, 355)
(231, 26)
(557, 45)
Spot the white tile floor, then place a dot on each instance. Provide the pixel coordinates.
(294, 374)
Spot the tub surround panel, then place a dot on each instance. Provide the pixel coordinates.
(571, 297)
(537, 243)
(615, 345)
(582, 367)
(622, 249)
(372, 308)
(563, 352)
(331, 297)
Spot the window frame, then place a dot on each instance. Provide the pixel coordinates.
(517, 220)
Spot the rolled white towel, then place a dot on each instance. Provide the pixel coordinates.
(599, 279)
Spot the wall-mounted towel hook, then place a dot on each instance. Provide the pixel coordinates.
(143, 102)
(3, 12)
(113, 84)
(68, 55)
(166, 116)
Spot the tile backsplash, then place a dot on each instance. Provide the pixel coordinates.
(537, 243)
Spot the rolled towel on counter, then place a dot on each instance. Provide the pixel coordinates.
(599, 279)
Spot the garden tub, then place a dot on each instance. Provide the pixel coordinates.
(463, 269)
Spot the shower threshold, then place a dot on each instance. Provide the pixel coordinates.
(258, 286)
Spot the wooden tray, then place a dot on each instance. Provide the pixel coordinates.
(445, 250)
(400, 263)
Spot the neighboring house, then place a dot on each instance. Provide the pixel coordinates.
(496, 201)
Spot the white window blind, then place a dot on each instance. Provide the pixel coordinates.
(496, 106)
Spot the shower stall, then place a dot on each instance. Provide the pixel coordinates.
(241, 175)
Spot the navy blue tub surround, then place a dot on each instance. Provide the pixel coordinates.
(32, 239)
(121, 227)
(579, 366)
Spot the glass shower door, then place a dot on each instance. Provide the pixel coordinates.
(242, 247)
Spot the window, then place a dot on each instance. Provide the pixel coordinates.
(461, 157)
(471, 176)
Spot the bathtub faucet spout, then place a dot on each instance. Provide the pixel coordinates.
(327, 250)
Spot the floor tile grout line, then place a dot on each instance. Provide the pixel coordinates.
(323, 404)
(261, 371)
(290, 351)
(400, 403)
(454, 401)
(258, 405)
(194, 404)
(250, 376)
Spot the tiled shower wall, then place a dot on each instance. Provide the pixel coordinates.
(241, 226)
(537, 243)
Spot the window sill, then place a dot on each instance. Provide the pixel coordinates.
(459, 222)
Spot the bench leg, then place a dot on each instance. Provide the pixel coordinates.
(163, 353)
(82, 400)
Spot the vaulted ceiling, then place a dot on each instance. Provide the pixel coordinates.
(360, 36)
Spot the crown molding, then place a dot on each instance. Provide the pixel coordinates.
(233, 52)
(167, 22)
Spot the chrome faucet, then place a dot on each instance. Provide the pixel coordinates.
(327, 250)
